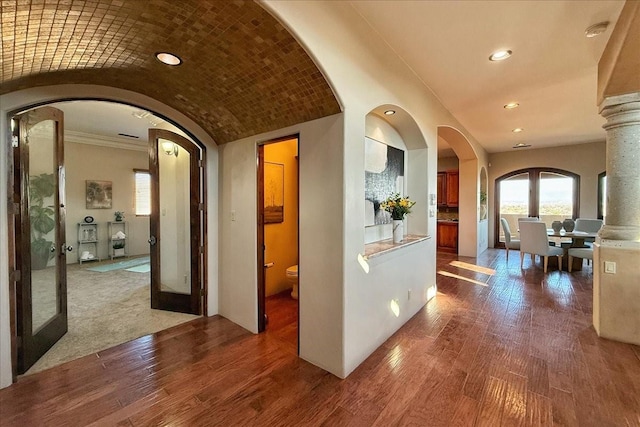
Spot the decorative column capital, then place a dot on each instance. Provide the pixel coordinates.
(621, 110)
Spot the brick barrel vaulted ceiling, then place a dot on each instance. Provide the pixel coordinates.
(242, 73)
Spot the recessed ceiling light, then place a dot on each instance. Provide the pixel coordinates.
(521, 145)
(500, 55)
(168, 58)
(511, 105)
(596, 29)
(517, 130)
(390, 112)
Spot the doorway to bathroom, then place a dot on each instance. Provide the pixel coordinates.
(278, 201)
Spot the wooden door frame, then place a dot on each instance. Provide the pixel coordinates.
(197, 247)
(261, 277)
(13, 205)
(19, 249)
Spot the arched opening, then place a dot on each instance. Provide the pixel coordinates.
(395, 163)
(96, 154)
(465, 181)
(546, 193)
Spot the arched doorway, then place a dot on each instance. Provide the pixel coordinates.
(101, 218)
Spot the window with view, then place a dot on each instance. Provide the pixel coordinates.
(142, 192)
(545, 193)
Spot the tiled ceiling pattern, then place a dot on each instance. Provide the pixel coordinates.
(243, 73)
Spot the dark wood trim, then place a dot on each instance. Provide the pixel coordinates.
(203, 232)
(260, 226)
(601, 194)
(534, 194)
(14, 242)
(168, 300)
(31, 346)
(260, 241)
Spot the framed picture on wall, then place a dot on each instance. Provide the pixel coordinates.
(273, 193)
(98, 194)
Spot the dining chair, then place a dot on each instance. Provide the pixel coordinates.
(528, 218)
(579, 253)
(509, 243)
(534, 241)
(588, 225)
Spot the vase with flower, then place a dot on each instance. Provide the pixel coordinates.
(398, 207)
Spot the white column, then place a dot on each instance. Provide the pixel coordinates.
(623, 167)
(616, 270)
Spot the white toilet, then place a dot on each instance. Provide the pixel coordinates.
(292, 278)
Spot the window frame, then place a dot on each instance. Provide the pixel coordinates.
(135, 191)
(534, 196)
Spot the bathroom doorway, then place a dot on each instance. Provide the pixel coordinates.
(278, 202)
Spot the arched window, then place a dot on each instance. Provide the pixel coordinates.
(602, 194)
(547, 193)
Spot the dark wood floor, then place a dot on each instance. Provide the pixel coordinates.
(497, 346)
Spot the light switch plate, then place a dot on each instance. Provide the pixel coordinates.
(610, 267)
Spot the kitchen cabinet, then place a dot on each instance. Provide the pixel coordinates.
(447, 187)
(447, 236)
(442, 189)
(452, 188)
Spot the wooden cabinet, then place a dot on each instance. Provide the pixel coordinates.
(452, 188)
(447, 236)
(442, 189)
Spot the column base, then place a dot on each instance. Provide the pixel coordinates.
(620, 232)
(616, 296)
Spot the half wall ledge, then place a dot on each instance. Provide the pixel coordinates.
(376, 249)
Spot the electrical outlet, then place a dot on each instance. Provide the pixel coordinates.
(610, 267)
(233, 215)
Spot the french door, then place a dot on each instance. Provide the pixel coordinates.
(39, 230)
(177, 215)
(545, 193)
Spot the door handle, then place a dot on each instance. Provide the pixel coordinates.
(152, 240)
(269, 264)
(53, 248)
(67, 248)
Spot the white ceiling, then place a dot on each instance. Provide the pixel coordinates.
(552, 72)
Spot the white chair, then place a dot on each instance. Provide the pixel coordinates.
(534, 241)
(579, 253)
(509, 243)
(588, 225)
(528, 218)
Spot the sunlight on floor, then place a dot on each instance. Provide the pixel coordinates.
(466, 279)
(473, 267)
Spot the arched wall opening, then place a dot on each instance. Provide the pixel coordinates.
(468, 194)
(29, 98)
(400, 131)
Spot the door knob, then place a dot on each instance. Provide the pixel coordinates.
(68, 248)
(52, 248)
(152, 240)
(269, 264)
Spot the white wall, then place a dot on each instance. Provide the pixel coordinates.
(24, 98)
(321, 236)
(586, 160)
(90, 162)
(365, 74)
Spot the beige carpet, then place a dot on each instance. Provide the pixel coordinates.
(104, 309)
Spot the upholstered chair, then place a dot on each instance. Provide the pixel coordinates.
(534, 241)
(588, 225)
(579, 253)
(509, 243)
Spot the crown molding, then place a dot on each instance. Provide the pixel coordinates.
(105, 141)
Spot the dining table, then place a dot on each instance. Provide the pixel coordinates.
(578, 239)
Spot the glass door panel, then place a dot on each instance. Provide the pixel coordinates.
(43, 217)
(175, 223)
(41, 292)
(175, 252)
(514, 201)
(555, 197)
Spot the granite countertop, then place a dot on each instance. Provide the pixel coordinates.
(375, 249)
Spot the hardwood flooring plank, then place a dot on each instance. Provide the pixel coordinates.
(520, 351)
